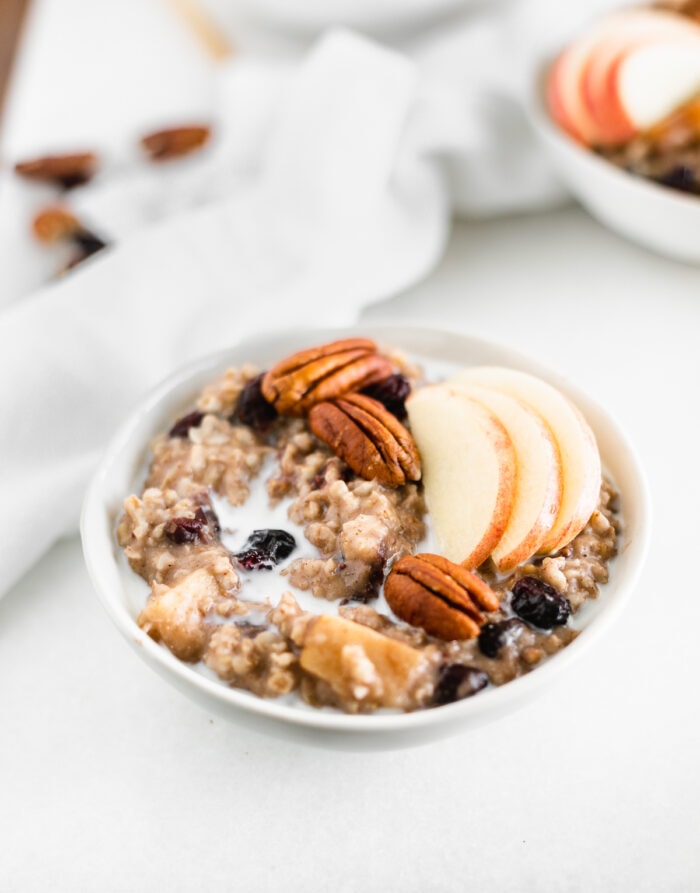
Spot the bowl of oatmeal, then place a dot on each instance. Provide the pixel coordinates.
(618, 111)
(366, 538)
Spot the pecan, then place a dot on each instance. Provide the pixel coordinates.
(55, 224)
(443, 598)
(368, 438)
(174, 142)
(296, 383)
(62, 170)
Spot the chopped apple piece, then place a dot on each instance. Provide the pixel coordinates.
(174, 615)
(360, 663)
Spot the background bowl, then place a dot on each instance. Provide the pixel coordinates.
(123, 593)
(654, 216)
(312, 16)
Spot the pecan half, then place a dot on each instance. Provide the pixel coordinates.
(174, 142)
(443, 598)
(298, 382)
(62, 170)
(54, 224)
(368, 438)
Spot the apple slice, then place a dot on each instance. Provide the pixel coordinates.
(389, 669)
(580, 459)
(468, 471)
(633, 31)
(651, 81)
(594, 94)
(538, 476)
(563, 91)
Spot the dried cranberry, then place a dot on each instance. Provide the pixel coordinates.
(182, 426)
(70, 181)
(264, 549)
(347, 474)
(493, 636)
(212, 519)
(373, 582)
(458, 681)
(250, 630)
(680, 177)
(189, 530)
(253, 409)
(392, 393)
(539, 604)
(318, 481)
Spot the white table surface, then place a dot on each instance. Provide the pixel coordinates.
(112, 781)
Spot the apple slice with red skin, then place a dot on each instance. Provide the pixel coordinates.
(580, 459)
(538, 486)
(634, 31)
(563, 92)
(469, 471)
(603, 93)
(650, 81)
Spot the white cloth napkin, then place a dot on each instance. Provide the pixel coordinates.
(331, 185)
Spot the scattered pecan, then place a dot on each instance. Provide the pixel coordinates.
(298, 382)
(688, 8)
(65, 171)
(443, 598)
(174, 142)
(368, 438)
(55, 224)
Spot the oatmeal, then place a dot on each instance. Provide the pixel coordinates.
(291, 532)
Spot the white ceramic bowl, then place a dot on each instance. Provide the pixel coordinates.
(312, 16)
(657, 217)
(123, 593)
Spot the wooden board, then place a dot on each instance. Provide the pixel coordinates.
(12, 13)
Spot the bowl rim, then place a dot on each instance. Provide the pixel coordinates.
(97, 533)
(304, 19)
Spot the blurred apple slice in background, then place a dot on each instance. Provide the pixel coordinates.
(649, 82)
(469, 471)
(637, 29)
(538, 486)
(624, 74)
(580, 459)
(564, 94)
